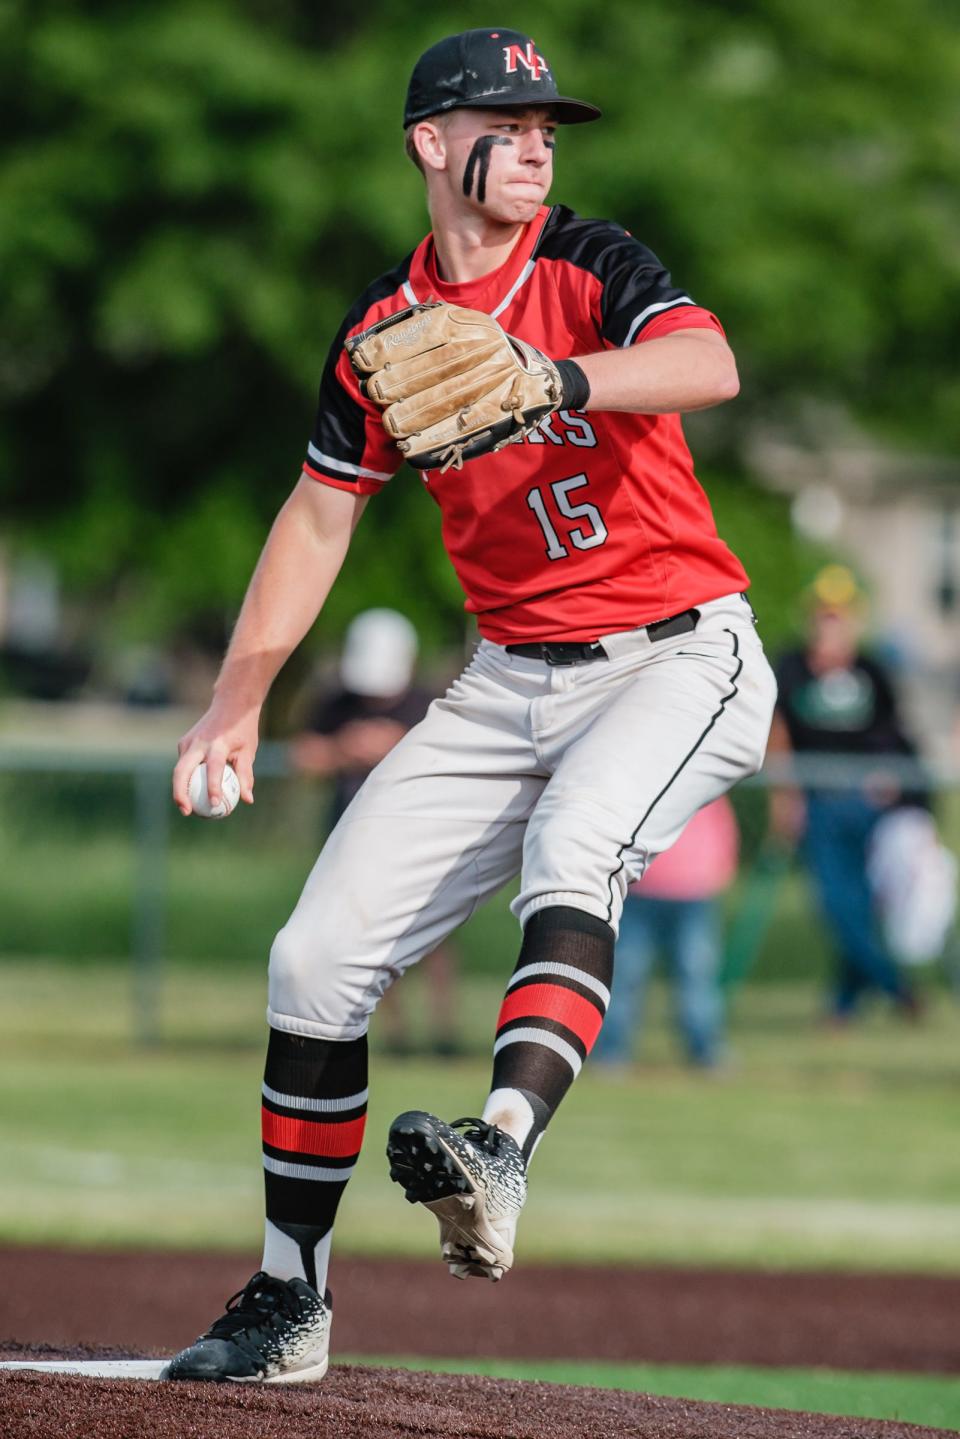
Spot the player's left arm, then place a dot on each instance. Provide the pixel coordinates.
(685, 370)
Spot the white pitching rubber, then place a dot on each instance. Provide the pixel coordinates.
(94, 1368)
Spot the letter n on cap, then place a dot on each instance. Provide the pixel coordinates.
(528, 58)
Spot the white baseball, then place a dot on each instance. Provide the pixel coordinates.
(200, 800)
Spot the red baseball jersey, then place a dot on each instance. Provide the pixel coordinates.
(593, 523)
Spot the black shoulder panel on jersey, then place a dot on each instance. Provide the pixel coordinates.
(636, 287)
(339, 430)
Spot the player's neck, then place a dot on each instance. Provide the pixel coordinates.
(471, 246)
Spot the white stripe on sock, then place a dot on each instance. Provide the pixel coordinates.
(316, 1106)
(541, 1036)
(319, 1172)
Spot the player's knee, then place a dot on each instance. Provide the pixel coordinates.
(288, 973)
(574, 853)
(316, 989)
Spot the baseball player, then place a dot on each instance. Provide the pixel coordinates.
(618, 686)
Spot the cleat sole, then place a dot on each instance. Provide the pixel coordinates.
(429, 1174)
(423, 1180)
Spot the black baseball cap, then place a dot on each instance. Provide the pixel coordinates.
(487, 69)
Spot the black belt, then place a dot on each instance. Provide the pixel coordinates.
(573, 652)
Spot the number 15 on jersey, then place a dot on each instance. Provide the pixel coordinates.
(586, 536)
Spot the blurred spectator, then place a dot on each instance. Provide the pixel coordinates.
(144, 676)
(347, 732)
(39, 659)
(914, 881)
(675, 910)
(837, 700)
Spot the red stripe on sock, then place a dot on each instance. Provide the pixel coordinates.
(308, 1136)
(553, 1001)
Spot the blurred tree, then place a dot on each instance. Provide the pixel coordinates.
(194, 190)
(172, 232)
(799, 166)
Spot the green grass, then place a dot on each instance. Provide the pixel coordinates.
(908, 1398)
(815, 1149)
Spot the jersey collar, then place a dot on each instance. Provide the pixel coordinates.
(491, 293)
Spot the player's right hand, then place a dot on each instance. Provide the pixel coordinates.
(220, 736)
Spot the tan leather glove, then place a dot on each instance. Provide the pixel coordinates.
(453, 385)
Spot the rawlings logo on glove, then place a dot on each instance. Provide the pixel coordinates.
(453, 385)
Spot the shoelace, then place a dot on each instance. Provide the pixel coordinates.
(479, 1132)
(257, 1303)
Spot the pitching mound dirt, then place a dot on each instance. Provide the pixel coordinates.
(61, 1304)
(392, 1404)
(155, 1303)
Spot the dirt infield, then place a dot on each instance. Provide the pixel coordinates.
(68, 1304)
(360, 1403)
(153, 1303)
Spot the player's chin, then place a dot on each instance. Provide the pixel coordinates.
(518, 206)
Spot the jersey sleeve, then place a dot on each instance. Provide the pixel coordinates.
(638, 299)
(349, 448)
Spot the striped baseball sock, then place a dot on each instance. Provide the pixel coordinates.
(313, 1115)
(550, 1016)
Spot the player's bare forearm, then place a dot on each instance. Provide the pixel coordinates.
(296, 570)
(295, 573)
(687, 370)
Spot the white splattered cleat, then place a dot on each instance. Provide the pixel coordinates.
(475, 1183)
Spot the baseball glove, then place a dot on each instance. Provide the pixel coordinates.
(452, 385)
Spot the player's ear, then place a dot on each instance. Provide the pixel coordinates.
(429, 144)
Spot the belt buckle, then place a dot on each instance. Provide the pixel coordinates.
(550, 656)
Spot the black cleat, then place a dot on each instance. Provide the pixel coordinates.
(274, 1331)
